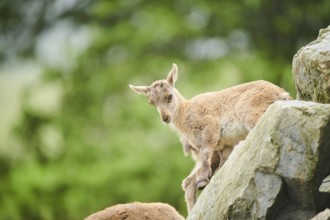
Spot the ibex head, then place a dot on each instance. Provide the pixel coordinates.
(162, 95)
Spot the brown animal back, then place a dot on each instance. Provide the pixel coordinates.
(255, 101)
(137, 211)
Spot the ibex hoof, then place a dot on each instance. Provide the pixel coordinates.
(202, 183)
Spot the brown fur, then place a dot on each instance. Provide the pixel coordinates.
(210, 124)
(137, 211)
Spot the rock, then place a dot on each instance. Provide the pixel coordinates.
(311, 69)
(325, 187)
(276, 171)
(137, 211)
(325, 215)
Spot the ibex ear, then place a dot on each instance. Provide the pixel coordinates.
(142, 90)
(173, 75)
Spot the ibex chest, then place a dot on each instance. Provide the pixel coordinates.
(229, 130)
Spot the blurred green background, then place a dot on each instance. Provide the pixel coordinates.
(74, 139)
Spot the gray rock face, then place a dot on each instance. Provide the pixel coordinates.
(311, 69)
(277, 171)
(325, 187)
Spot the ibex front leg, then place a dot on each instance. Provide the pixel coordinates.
(190, 183)
(210, 139)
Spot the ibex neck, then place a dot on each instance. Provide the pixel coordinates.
(179, 111)
(181, 99)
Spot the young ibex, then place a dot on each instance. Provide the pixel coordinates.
(210, 124)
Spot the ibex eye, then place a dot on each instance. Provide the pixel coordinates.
(169, 98)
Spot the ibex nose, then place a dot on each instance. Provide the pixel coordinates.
(166, 118)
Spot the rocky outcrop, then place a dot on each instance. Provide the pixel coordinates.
(325, 215)
(277, 171)
(311, 69)
(325, 186)
(137, 211)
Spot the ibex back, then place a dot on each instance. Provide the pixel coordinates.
(210, 124)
